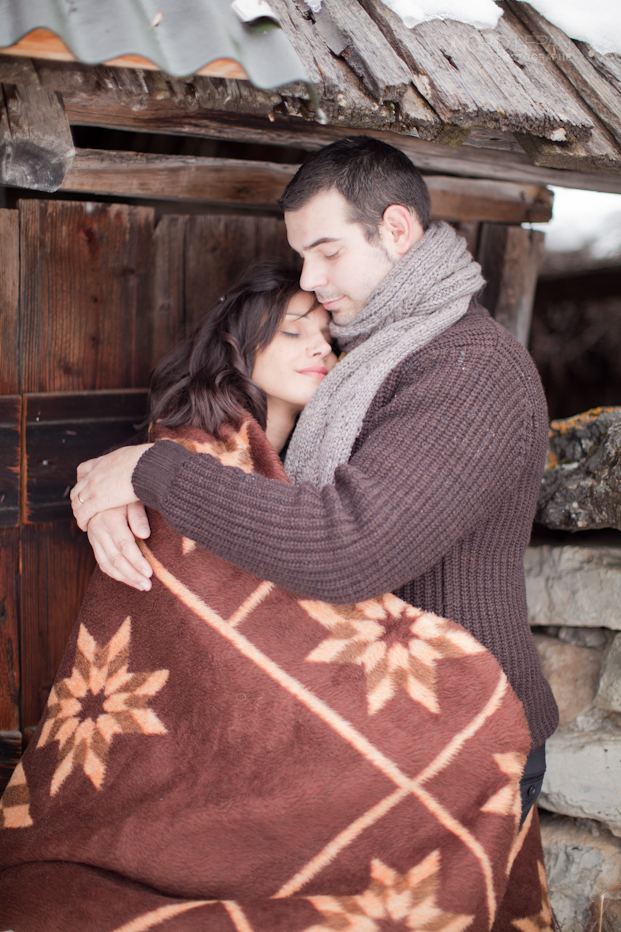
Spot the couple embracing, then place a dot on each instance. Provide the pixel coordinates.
(276, 727)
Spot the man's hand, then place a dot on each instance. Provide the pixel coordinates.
(105, 482)
(115, 547)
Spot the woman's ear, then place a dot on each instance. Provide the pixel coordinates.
(399, 230)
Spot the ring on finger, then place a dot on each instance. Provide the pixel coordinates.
(80, 499)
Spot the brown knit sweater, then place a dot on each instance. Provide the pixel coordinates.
(435, 504)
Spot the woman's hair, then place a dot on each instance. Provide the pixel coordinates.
(206, 381)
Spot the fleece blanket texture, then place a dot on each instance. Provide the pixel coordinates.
(221, 755)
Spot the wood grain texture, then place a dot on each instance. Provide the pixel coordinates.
(473, 161)
(36, 147)
(510, 257)
(9, 302)
(57, 562)
(62, 430)
(350, 33)
(219, 248)
(463, 200)
(471, 79)
(85, 298)
(235, 180)
(10, 753)
(601, 95)
(10, 459)
(598, 154)
(186, 178)
(168, 282)
(9, 629)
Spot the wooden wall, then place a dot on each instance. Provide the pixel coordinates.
(91, 295)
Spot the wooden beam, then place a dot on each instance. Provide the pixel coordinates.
(463, 200)
(130, 174)
(45, 44)
(185, 178)
(36, 147)
(466, 161)
(510, 257)
(231, 110)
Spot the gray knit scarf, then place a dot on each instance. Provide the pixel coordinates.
(427, 291)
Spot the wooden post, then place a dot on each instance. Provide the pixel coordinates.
(36, 146)
(510, 257)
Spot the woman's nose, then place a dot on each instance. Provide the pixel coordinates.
(320, 347)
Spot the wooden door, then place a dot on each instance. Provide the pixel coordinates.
(91, 295)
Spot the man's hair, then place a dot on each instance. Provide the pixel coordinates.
(370, 174)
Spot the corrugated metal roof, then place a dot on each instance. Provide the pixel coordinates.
(179, 36)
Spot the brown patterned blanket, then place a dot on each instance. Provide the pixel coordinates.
(219, 754)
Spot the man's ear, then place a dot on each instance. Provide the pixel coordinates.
(399, 230)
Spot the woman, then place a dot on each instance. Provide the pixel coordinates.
(218, 754)
(262, 349)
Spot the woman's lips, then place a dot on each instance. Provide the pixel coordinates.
(316, 372)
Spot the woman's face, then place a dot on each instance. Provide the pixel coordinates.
(299, 357)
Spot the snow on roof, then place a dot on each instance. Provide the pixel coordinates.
(600, 26)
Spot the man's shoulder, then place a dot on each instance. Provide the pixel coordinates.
(476, 341)
(475, 359)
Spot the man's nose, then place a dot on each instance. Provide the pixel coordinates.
(312, 276)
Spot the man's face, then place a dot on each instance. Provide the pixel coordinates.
(340, 264)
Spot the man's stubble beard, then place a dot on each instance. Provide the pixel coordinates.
(348, 315)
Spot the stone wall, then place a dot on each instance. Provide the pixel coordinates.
(573, 583)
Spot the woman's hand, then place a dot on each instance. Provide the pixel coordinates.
(105, 482)
(114, 544)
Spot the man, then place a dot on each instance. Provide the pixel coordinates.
(417, 463)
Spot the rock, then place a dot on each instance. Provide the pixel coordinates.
(584, 637)
(583, 776)
(609, 689)
(572, 672)
(582, 861)
(581, 487)
(578, 585)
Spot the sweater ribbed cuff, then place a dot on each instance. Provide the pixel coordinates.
(155, 471)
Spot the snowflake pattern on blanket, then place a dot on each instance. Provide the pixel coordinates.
(219, 754)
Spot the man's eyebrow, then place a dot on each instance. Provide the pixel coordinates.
(323, 239)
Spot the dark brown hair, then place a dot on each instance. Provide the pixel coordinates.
(206, 381)
(370, 174)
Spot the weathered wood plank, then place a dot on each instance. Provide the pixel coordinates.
(63, 429)
(57, 562)
(510, 257)
(36, 147)
(42, 43)
(10, 753)
(460, 200)
(10, 459)
(85, 295)
(168, 303)
(476, 161)
(9, 629)
(350, 33)
(219, 249)
(9, 301)
(598, 154)
(129, 174)
(342, 95)
(609, 66)
(471, 79)
(600, 95)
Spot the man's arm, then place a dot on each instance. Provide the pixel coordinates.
(440, 458)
